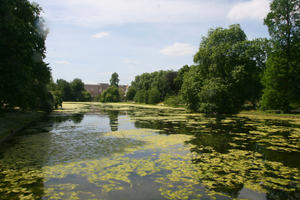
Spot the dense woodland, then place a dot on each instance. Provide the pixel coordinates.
(230, 71)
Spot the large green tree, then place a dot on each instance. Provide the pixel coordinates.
(112, 94)
(226, 74)
(23, 73)
(77, 89)
(282, 76)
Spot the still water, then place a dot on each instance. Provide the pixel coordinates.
(123, 152)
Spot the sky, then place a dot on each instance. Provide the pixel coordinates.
(91, 39)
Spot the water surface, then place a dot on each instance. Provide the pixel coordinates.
(124, 152)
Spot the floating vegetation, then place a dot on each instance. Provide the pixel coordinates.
(118, 151)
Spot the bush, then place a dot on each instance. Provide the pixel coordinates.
(174, 101)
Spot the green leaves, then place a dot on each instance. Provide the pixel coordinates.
(227, 74)
(23, 74)
(281, 79)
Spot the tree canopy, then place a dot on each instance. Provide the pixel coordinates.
(226, 74)
(154, 87)
(282, 76)
(112, 94)
(23, 73)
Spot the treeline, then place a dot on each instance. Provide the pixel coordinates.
(63, 90)
(155, 87)
(231, 70)
(23, 73)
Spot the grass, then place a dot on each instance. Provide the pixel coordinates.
(268, 114)
(82, 107)
(12, 122)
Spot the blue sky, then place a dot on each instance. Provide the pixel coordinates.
(91, 39)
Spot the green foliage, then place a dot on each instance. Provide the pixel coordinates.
(174, 101)
(23, 73)
(77, 89)
(190, 88)
(178, 81)
(130, 94)
(57, 96)
(65, 91)
(86, 96)
(160, 84)
(112, 94)
(141, 96)
(65, 88)
(114, 81)
(282, 76)
(227, 73)
(153, 96)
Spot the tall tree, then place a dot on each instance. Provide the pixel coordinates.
(282, 76)
(77, 89)
(23, 73)
(65, 88)
(226, 72)
(114, 80)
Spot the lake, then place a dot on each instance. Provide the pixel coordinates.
(124, 151)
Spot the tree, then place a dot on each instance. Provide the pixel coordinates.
(77, 87)
(23, 73)
(65, 88)
(111, 94)
(86, 96)
(130, 94)
(179, 78)
(114, 81)
(153, 96)
(282, 77)
(73, 91)
(227, 70)
(141, 96)
(162, 81)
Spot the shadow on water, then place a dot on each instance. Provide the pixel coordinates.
(232, 155)
(238, 152)
(58, 140)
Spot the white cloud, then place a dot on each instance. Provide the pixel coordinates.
(99, 13)
(179, 49)
(101, 35)
(253, 9)
(62, 62)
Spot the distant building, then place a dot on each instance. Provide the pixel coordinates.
(97, 89)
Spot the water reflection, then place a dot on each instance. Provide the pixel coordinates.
(75, 118)
(168, 155)
(234, 153)
(113, 119)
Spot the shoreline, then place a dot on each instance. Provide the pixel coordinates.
(12, 123)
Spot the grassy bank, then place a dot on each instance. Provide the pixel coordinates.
(82, 107)
(12, 122)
